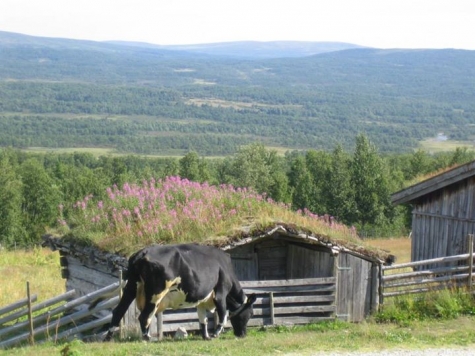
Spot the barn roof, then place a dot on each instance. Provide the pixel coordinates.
(435, 183)
(241, 237)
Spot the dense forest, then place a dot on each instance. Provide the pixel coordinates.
(146, 100)
(353, 188)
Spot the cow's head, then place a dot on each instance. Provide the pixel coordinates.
(241, 316)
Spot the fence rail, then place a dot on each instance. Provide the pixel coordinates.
(45, 326)
(428, 275)
(279, 302)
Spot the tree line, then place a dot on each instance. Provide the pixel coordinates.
(353, 187)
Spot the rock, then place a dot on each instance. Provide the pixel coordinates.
(181, 333)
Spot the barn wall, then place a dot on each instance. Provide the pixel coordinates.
(245, 263)
(304, 262)
(275, 259)
(442, 220)
(357, 286)
(86, 275)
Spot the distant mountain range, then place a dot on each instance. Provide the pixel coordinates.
(243, 49)
(254, 49)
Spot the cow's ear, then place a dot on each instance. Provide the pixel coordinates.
(251, 299)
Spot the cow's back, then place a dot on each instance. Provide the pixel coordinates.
(197, 269)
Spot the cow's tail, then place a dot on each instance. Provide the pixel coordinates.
(106, 296)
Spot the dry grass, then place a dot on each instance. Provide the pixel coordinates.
(39, 266)
(399, 247)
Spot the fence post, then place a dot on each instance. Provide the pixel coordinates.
(470, 262)
(160, 326)
(271, 303)
(30, 316)
(336, 274)
(381, 285)
(121, 324)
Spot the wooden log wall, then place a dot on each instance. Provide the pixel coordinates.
(442, 220)
(357, 287)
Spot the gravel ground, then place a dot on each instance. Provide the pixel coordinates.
(462, 351)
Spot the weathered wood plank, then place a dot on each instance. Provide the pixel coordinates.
(36, 307)
(427, 281)
(426, 272)
(287, 282)
(429, 261)
(21, 303)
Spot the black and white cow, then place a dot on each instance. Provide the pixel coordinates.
(182, 276)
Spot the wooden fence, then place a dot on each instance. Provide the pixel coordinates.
(57, 318)
(427, 275)
(278, 302)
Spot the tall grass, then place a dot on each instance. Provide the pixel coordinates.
(40, 267)
(175, 210)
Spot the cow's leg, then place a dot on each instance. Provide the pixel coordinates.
(145, 318)
(203, 322)
(118, 313)
(220, 303)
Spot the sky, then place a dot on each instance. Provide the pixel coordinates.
(373, 23)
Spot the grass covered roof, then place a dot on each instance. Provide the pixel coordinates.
(175, 210)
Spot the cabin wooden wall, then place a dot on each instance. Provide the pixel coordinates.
(357, 278)
(86, 275)
(442, 220)
(357, 287)
(275, 259)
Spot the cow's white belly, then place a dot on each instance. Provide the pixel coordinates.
(176, 299)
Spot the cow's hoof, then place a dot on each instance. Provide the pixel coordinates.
(145, 337)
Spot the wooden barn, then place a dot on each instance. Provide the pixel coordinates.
(443, 212)
(299, 277)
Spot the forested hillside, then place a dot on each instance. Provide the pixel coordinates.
(138, 99)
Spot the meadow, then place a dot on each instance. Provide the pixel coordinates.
(41, 268)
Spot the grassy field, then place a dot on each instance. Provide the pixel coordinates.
(308, 340)
(434, 146)
(41, 268)
(399, 247)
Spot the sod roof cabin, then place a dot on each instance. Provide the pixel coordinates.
(443, 212)
(300, 277)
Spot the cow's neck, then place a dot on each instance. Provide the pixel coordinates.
(236, 298)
